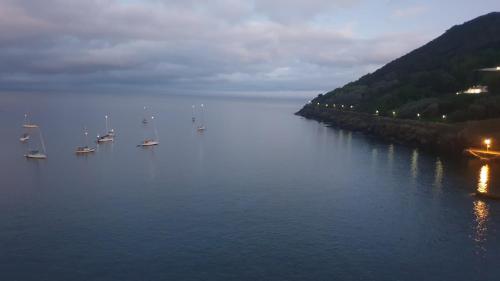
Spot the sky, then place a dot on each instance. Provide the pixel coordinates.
(239, 47)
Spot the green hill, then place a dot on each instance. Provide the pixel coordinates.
(426, 80)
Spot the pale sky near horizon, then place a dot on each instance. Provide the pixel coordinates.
(263, 47)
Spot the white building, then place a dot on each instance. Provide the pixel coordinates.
(476, 90)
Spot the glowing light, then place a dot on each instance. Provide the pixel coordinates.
(376, 112)
(342, 106)
(318, 103)
(418, 115)
(484, 175)
(326, 105)
(394, 113)
(444, 116)
(487, 142)
(352, 106)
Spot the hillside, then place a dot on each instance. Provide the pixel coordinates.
(426, 80)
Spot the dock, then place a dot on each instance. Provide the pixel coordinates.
(483, 154)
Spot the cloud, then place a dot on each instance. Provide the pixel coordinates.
(187, 45)
(409, 12)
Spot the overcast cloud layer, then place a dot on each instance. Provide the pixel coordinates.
(274, 47)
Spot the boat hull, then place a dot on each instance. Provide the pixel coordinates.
(104, 140)
(153, 143)
(35, 156)
(30, 126)
(85, 151)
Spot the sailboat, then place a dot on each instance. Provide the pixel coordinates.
(151, 142)
(37, 154)
(85, 149)
(109, 136)
(24, 137)
(201, 127)
(193, 118)
(27, 124)
(144, 119)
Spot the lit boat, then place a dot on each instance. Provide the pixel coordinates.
(84, 149)
(109, 136)
(35, 154)
(24, 138)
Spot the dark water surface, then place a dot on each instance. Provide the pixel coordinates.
(260, 195)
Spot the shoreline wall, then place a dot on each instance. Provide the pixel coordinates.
(443, 137)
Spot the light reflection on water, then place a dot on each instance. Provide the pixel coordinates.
(481, 212)
(484, 176)
(438, 174)
(414, 164)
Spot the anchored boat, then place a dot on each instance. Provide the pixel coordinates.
(27, 124)
(150, 141)
(109, 136)
(37, 154)
(85, 149)
(201, 127)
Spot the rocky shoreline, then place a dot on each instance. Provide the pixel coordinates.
(449, 138)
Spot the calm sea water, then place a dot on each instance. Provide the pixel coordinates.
(260, 195)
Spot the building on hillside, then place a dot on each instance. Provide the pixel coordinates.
(475, 90)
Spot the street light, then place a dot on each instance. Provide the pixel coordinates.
(487, 142)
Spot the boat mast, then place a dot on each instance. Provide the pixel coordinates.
(202, 115)
(154, 128)
(41, 140)
(107, 127)
(86, 136)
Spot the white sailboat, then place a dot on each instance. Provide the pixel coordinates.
(37, 154)
(27, 124)
(85, 149)
(109, 136)
(201, 127)
(149, 141)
